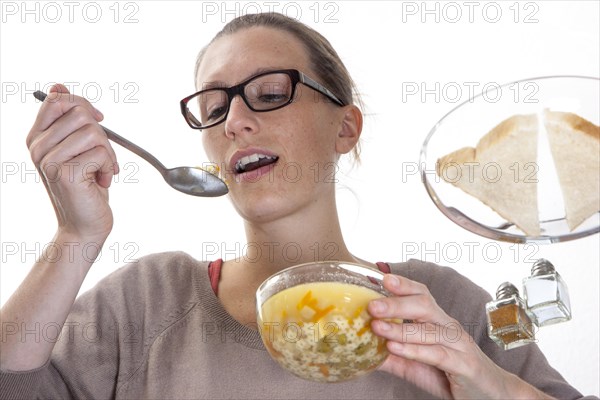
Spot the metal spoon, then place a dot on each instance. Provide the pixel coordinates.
(190, 180)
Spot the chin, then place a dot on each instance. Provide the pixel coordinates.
(261, 214)
(264, 205)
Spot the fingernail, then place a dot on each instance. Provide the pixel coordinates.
(100, 115)
(394, 281)
(384, 326)
(395, 347)
(378, 306)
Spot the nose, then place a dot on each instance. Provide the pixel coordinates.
(240, 120)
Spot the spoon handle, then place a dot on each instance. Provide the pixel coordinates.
(135, 149)
(115, 137)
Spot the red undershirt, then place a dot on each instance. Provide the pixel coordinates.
(214, 273)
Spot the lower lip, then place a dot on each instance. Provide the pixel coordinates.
(257, 174)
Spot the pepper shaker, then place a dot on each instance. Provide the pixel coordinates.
(546, 295)
(508, 323)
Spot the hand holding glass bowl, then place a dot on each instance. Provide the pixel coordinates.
(314, 322)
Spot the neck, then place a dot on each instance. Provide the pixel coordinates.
(308, 235)
(312, 234)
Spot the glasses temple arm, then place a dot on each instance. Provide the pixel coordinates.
(320, 88)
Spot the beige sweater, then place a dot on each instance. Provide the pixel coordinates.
(155, 330)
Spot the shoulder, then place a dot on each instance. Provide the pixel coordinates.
(113, 326)
(454, 292)
(169, 267)
(155, 277)
(143, 298)
(436, 277)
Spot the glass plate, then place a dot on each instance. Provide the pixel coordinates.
(469, 121)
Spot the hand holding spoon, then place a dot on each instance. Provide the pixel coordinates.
(190, 180)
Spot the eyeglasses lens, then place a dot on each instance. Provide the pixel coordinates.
(264, 93)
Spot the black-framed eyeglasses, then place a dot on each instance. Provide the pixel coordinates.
(267, 91)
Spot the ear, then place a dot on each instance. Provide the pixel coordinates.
(350, 129)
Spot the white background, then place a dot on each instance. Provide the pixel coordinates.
(135, 61)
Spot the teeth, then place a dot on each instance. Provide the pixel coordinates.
(240, 165)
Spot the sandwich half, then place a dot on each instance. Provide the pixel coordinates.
(489, 171)
(575, 146)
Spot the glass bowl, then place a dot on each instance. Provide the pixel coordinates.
(314, 322)
(464, 125)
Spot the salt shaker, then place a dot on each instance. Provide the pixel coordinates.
(546, 295)
(508, 323)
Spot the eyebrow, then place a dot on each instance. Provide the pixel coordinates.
(222, 84)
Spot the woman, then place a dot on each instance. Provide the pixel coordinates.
(170, 326)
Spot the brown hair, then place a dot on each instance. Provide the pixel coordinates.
(323, 58)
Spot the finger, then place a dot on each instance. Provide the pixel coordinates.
(62, 90)
(402, 286)
(412, 300)
(83, 140)
(439, 356)
(92, 166)
(58, 88)
(58, 102)
(451, 335)
(77, 119)
(105, 171)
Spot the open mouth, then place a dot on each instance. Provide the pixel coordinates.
(253, 162)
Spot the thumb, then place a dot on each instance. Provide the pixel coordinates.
(61, 89)
(58, 88)
(56, 91)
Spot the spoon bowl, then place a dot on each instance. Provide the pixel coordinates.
(189, 180)
(195, 181)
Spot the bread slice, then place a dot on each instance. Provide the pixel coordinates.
(575, 147)
(488, 171)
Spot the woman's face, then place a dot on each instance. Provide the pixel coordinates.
(303, 135)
